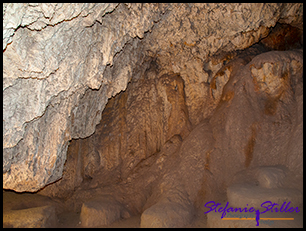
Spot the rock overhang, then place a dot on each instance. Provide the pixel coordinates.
(52, 61)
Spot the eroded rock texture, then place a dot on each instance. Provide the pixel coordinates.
(208, 90)
(253, 125)
(50, 63)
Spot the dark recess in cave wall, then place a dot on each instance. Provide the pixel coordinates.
(283, 37)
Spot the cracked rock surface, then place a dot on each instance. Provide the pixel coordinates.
(63, 62)
(169, 185)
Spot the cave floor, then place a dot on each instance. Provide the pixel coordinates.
(34, 210)
(15, 202)
(71, 220)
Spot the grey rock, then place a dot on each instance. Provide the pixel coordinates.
(59, 58)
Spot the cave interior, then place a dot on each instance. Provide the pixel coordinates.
(226, 128)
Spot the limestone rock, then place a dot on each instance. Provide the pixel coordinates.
(170, 102)
(201, 165)
(166, 215)
(38, 217)
(29, 211)
(134, 126)
(59, 59)
(100, 212)
(38, 16)
(132, 192)
(283, 37)
(241, 195)
(271, 177)
(42, 72)
(260, 111)
(192, 33)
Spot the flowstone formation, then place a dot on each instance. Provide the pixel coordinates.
(169, 184)
(119, 110)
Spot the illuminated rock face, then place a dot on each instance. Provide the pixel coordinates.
(197, 163)
(52, 61)
(63, 62)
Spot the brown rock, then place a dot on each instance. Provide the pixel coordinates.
(202, 165)
(62, 62)
(271, 177)
(131, 130)
(283, 37)
(100, 212)
(202, 100)
(37, 217)
(166, 215)
(241, 195)
(27, 210)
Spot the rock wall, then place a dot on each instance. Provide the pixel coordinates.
(62, 62)
(137, 158)
(48, 66)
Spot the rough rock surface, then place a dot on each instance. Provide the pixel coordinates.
(39, 217)
(29, 211)
(258, 92)
(47, 70)
(166, 214)
(100, 212)
(59, 59)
